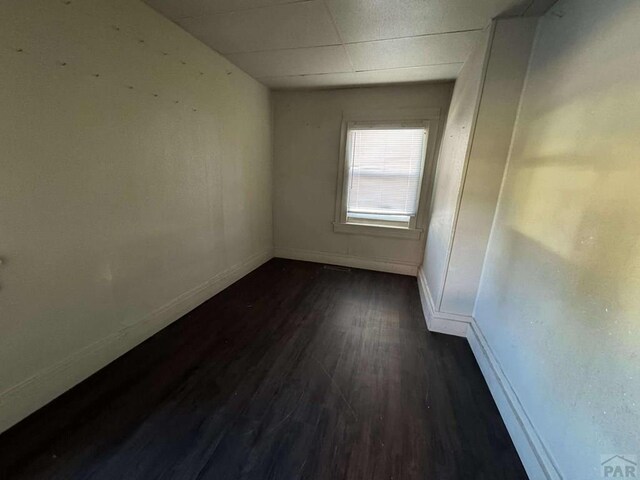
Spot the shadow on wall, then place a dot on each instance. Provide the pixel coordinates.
(583, 207)
(559, 296)
(568, 351)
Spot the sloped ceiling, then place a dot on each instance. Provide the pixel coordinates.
(321, 43)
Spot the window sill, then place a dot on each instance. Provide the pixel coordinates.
(378, 230)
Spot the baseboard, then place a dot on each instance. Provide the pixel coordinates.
(24, 398)
(535, 457)
(380, 265)
(440, 322)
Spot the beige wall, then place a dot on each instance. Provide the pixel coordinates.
(307, 149)
(119, 210)
(559, 300)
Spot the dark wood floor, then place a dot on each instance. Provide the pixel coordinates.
(296, 371)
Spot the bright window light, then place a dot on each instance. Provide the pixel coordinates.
(385, 168)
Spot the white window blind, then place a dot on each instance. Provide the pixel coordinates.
(385, 170)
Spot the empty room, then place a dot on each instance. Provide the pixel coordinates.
(319, 239)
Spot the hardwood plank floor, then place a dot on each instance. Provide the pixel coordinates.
(296, 371)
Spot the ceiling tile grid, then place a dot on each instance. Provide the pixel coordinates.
(196, 8)
(413, 51)
(324, 43)
(293, 61)
(429, 73)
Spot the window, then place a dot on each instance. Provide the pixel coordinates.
(383, 168)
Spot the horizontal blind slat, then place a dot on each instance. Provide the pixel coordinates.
(385, 170)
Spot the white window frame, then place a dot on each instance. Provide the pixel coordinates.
(402, 118)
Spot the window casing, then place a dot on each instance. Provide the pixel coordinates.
(384, 170)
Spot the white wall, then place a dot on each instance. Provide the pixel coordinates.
(506, 66)
(559, 299)
(306, 155)
(119, 210)
(451, 167)
(471, 163)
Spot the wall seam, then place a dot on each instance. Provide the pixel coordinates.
(516, 122)
(507, 164)
(272, 102)
(485, 68)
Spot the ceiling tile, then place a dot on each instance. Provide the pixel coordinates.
(397, 75)
(413, 51)
(293, 25)
(298, 61)
(176, 9)
(363, 20)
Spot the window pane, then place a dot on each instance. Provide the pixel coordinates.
(385, 169)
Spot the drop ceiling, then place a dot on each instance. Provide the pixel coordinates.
(323, 43)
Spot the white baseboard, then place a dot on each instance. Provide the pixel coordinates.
(380, 265)
(440, 322)
(24, 398)
(535, 457)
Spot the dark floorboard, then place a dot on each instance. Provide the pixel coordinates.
(296, 371)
